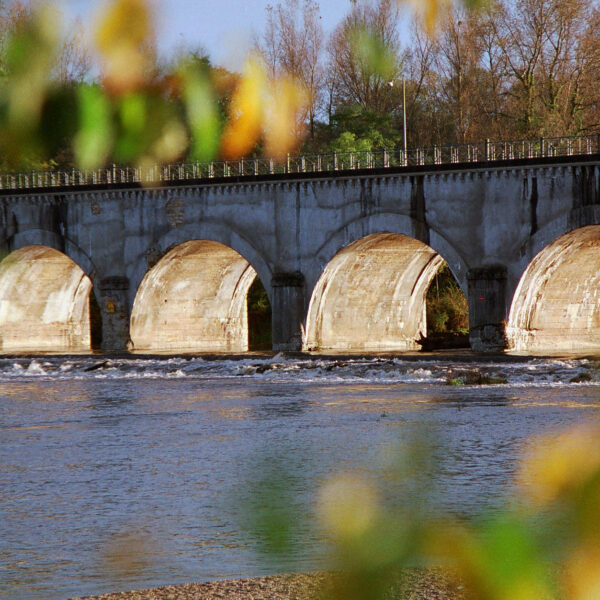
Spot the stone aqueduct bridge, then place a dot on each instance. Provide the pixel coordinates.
(346, 258)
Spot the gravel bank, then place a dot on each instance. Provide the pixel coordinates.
(415, 584)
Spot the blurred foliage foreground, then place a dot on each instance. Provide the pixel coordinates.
(542, 544)
(136, 111)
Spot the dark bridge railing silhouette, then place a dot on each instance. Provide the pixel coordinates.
(480, 152)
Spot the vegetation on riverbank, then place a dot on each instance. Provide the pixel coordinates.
(447, 310)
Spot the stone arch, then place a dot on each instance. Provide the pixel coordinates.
(44, 302)
(206, 230)
(556, 305)
(50, 239)
(194, 300)
(371, 295)
(387, 222)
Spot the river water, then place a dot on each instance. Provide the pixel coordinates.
(125, 473)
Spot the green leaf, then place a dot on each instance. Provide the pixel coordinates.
(202, 114)
(94, 141)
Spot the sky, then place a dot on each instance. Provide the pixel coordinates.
(225, 28)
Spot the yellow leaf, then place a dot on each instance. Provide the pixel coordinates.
(431, 12)
(582, 573)
(245, 113)
(556, 465)
(284, 117)
(125, 39)
(347, 506)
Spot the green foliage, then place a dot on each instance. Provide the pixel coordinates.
(136, 117)
(372, 52)
(354, 129)
(347, 142)
(447, 310)
(94, 139)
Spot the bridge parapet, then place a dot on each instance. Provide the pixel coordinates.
(487, 151)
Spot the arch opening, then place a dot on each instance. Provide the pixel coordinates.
(195, 299)
(44, 302)
(556, 304)
(259, 317)
(372, 296)
(447, 312)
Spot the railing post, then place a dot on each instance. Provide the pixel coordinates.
(386, 161)
(287, 163)
(487, 149)
(335, 163)
(271, 166)
(542, 147)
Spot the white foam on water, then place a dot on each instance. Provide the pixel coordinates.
(35, 368)
(282, 368)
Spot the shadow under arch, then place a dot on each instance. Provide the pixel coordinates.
(44, 302)
(556, 305)
(194, 300)
(371, 295)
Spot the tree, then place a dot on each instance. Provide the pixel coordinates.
(457, 58)
(364, 55)
(537, 40)
(292, 45)
(74, 59)
(584, 103)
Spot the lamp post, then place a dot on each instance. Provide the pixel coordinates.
(404, 115)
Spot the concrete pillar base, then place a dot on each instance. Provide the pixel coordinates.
(287, 310)
(114, 308)
(487, 308)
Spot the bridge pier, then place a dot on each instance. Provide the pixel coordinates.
(487, 308)
(114, 308)
(288, 308)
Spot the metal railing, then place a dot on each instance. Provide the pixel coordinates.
(486, 151)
